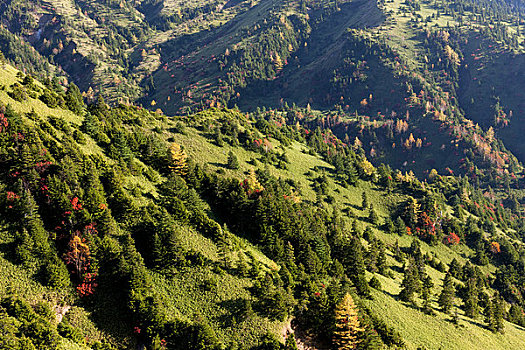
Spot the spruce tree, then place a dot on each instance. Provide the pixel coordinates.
(364, 204)
(471, 300)
(372, 216)
(488, 312)
(494, 312)
(426, 294)
(347, 326)
(233, 163)
(516, 315)
(401, 227)
(356, 264)
(74, 100)
(499, 313)
(381, 259)
(446, 298)
(411, 283)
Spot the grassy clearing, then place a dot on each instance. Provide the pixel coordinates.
(437, 332)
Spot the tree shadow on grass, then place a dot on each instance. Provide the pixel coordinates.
(237, 310)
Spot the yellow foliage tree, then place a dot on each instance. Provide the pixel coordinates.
(178, 160)
(278, 62)
(347, 326)
(78, 254)
(452, 55)
(367, 167)
(251, 185)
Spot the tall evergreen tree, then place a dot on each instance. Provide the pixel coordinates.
(426, 294)
(74, 100)
(471, 299)
(446, 298)
(372, 216)
(364, 204)
(355, 260)
(411, 283)
(233, 162)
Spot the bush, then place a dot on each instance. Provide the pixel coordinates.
(49, 98)
(375, 283)
(56, 274)
(18, 93)
(68, 331)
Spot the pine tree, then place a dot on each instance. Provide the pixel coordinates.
(411, 283)
(455, 269)
(427, 293)
(488, 312)
(178, 160)
(74, 99)
(233, 163)
(498, 312)
(516, 315)
(365, 203)
(355, 260)
(373, 217)
(446, 298)
(347, 326)
(401, 227)
(471, 301)
(381, 259)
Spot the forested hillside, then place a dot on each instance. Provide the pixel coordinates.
(262, 174)
(115, 220)
(421, 84)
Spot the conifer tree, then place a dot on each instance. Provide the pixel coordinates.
(372, 216)
(364, 198)
(357, 267)
(381, 259)
(426, 294)
(516, 315)
(488, 312)
(498, 313)
(401, 227)
(446, 298)
(471, 300)
(347, 326)
(398, 253)
(74, 99)
(233, 163)
(455, 269)
(411, 283)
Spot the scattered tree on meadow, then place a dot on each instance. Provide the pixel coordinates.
(364, 203)
(494, 311)
(233, 162)
(411, 283)
(446, 298)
